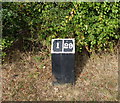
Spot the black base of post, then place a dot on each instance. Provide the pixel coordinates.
(63, 68)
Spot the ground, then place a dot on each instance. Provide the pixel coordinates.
(28, 77)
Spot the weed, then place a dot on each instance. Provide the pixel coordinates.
(38, 58)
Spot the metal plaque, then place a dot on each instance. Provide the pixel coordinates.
(63, 46)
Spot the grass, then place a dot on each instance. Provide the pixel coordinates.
(38, 58)
(28, 76)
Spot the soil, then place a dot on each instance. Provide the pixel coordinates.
(27, 76)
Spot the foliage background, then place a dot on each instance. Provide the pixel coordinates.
(94, 25)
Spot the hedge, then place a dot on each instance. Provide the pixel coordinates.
(94, 25)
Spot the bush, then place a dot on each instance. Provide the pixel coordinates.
(93, 25)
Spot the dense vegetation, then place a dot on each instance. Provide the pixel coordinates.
(93, 25)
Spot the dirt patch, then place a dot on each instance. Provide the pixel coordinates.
(28, 77)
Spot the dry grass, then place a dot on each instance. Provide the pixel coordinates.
(27, 77)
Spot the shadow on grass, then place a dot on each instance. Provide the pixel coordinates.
(80, 62)
(13, 53)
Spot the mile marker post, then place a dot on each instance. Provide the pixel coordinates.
(63, 61)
